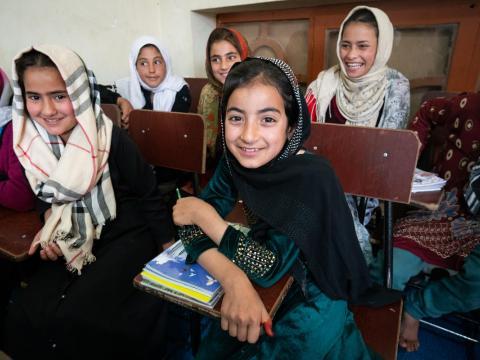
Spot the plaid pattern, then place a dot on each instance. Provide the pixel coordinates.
(73, 177)
(473, 190)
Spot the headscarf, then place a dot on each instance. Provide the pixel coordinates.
(358, 99)
(74, 177)
(5, 95)
(241, 46)
(164, 94)
(300, 196)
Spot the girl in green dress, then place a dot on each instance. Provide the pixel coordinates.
(299, 223)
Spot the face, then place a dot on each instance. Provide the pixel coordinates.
(47, 101)
(222, 56)
(151, 66)
(256, 126)
(358, 48)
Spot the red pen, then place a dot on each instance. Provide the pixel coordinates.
(267, 326)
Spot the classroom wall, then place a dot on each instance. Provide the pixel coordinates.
(102, 31)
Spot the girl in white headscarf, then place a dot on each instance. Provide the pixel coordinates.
(362, 90)
(152, 84)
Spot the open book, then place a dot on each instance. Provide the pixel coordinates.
(424, 181)
(169, 277)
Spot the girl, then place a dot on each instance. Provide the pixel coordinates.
(362, 91)
(152, 84)
(293, 227)
(102, 215)
(225, 47)
(15, 193)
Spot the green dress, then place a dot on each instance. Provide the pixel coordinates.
(308, 324)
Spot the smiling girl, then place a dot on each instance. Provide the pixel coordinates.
(362, 91)
(264, 124)
(103, 220)
(225, 47)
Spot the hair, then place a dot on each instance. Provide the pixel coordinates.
(149, 45)
(28, 59)
(254, 70)
(363, 16)
(219, 34)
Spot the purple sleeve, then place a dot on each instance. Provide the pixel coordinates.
(15, 192)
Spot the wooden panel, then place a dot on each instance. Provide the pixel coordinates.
(113, 113)
(195, 85)
(169, 139)
(380, 328)
(372, 162)
(17, 232)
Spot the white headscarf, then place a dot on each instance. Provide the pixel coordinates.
(5, 95)
(358, 99)
(164, 93)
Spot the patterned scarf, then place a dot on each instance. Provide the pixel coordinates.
(74, 177)
(359, 99)
(164, 94)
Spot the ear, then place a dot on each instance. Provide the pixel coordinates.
(290, 131)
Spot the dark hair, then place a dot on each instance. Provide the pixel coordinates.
(364, 16)
(149, 45)
(29, 59)
(219, 34)
(256, 70)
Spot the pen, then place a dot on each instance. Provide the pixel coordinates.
(267, 326)
(179, 196)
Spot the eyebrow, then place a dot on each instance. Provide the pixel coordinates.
(49, 93)
(261, 111)
(227, 54)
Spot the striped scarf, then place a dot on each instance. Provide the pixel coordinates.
(74, 177)
(472, 191)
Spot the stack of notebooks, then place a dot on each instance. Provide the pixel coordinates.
(169, 274)
(424, 181)
(190, 285)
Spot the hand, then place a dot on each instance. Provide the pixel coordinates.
(243, 312)
(50, 252)
(186, 211)
(125, 108)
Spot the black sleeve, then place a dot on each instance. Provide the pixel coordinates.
(136, 178)
(182, 100)
(107, 96)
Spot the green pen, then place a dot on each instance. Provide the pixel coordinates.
(179, 196)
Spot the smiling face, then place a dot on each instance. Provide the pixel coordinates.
(47, 101)
(256, 126)
(222, 56)
(151, 66)
(358, 48)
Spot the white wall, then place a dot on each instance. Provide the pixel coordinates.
(102, 31)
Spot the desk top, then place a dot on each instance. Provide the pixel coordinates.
(17, 232)
(428, 199)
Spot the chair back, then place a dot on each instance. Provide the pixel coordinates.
(195, 85)
(371, 162)
(169, 139)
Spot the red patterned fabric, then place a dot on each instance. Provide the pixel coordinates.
(449, 232)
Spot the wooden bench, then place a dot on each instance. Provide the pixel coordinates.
(196, 85)
(17, 232)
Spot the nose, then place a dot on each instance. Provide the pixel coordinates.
(224, 64)
(151, 67)
(249, 132)
(48, 107)
(351, 53)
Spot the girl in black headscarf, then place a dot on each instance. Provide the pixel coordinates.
(299, 222)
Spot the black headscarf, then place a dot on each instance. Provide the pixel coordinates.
(300, 196)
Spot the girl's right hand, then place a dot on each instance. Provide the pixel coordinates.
(243, 312)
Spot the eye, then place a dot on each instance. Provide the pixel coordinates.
(158, 62)
(33, 97)
(60, 97)
(233, 57)
(215, 60)
(344, 45)
(234, 119)
(268, 120)
(364, 46)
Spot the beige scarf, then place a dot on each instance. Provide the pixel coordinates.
(73, 177)
(358, 99)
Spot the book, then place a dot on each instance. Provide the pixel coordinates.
(168, 272)
(424, 181)
(189, 291)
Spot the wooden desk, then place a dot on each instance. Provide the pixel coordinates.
(17, 232)
(428, 199)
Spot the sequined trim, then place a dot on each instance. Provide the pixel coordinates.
(188, 233)
(253, 258)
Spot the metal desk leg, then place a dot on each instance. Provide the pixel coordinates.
(388, 245)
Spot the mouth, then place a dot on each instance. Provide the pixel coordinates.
(249, 151)
(52, 121)
(354, 65)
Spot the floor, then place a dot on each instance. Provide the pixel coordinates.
(437, 345)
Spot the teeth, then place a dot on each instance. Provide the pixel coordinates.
(249, 150)
(354, 65)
